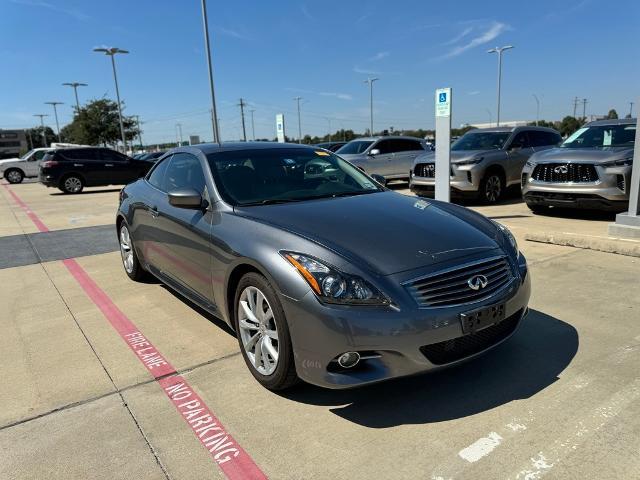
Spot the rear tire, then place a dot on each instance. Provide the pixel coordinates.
(491, 188)
(72, 184)
(14, 175)
(262, 331)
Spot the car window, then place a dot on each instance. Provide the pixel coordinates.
(184, 171)
(402, 145)
(481, 141)
(156, 176)
(354, 147)
(521, 140)
(385, 146)
(81, 154)
(38, 155)
(112, 156)
(543, 139)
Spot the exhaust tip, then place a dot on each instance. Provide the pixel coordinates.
(349, 359)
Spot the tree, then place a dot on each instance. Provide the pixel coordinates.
(544, 123)
(568, 125)
(612, 115)
(97, 123)
(34, 136)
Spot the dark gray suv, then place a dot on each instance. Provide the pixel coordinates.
(591, 169)
(484, 162)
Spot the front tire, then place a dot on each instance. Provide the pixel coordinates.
(263, 333)
(14, 175)
(491, 188)
(72, 184)
(132, 266)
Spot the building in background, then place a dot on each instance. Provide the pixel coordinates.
(12, 142)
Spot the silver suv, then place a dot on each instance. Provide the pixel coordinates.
(591, 169)
(388, 156)
(484, 162)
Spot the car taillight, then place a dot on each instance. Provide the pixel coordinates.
(49, 163)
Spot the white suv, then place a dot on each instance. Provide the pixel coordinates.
(14, 170)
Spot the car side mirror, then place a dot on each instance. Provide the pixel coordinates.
(373, 152)
(514, 148)
(185, 198)
(379, 178)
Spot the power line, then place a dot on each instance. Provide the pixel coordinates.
(242, 104)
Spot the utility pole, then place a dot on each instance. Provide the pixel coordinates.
(139, 131)
(214, 113)
(490, 117)
(179, 134)
(242, 104)
(537, 108)
(630, 109)
(44, 137)
(499, 51)
(370, 82)
(253, 127)
(75, 86)
(575, 106)
(30, 139)
(55, 112)
(297, 99)
(584, 108)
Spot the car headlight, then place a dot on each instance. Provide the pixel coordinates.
(470, 161)
(510, 238)
(333, 286)
(623, 162)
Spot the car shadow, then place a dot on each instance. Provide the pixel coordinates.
(89, 192)
(521, 367)
(578, 214)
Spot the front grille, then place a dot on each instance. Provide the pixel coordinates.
(620, 182)
(458, 348)
(450, 287)
(425, 170)
(565, 173)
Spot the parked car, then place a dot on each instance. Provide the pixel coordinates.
(484, 162)
(591, 169)
(14, 170)
(152, 156)
(286, 258)
(71, 170)
(388, 156)
(331, 146)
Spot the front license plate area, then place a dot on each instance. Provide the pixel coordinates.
(481, 318)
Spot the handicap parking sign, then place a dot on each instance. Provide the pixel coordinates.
(443, 97)
(443, 102)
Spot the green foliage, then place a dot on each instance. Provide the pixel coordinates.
(97, 124)
(568, 125)
(34, 137)
(545, 123)
(612, 115)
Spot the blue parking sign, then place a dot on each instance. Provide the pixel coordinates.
(443, 97)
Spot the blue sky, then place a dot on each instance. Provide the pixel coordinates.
(270, 52)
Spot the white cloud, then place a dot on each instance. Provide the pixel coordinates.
(473, 92)
(78, 15)
(341, 96)
(493, 31)
(459, 37)
(306, 12)
(365, 71)
(230, 32)
(379, 56)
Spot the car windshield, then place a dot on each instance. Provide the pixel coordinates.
(280, 175)
(481, 141)
(355, 146)
(600, 136)
(26, 155)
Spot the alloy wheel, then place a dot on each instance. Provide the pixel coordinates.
(14, 176)
(73, 185)
(493, 188)
(258, 330)
(126, 249)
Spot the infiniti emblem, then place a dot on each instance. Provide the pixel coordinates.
(561, 169)
(477, 282)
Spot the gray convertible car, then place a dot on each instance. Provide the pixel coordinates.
(323, 273)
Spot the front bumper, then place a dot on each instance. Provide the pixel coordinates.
(609, 192)
(464, 180)
(400, 341)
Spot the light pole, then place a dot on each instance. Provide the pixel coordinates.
(112, 52)
(584, 108)
(630, 109)
(139, 131)
(499, 51)
(55, 112)
(179, 133)
(370, 82)
(214, 113)
(297, 99)
(243, 104)
(75, 86)
(537, 108)
(44, 137)
(253, 127)
(490, 117)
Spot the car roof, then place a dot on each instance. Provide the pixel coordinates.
(613, 121)
(513, 129)
(387, 137)
(207, 148)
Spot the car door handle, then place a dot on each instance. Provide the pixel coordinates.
(108, 164)
(78, 164)
(154, 212)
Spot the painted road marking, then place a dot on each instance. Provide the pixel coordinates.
(232, 459)
(481, 447)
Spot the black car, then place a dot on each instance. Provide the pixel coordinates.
(72, 169)
(151, 157)
(331, 146)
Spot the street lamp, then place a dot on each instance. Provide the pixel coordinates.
(214, 114)
(75, 86)
(499, 51)
(370, 82)
(55, 112)
(297, 99)
(537, 108)
(112, 52)
(44, 137)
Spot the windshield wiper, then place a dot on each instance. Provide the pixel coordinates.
(271, 201)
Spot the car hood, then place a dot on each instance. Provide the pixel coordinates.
(458, 156)
(588, 155)
(9, 160)
(386, 232)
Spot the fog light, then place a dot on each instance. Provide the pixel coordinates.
(349, 359)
